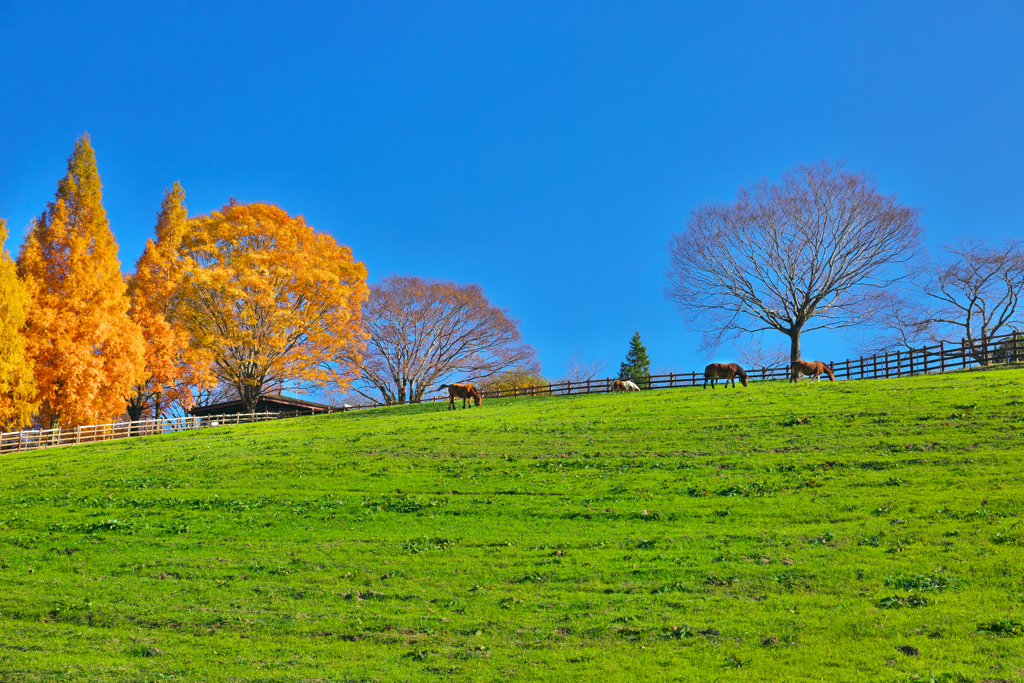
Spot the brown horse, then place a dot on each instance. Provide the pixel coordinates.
(463, 391)
(627, 385)
(726, 371)
(812, 369)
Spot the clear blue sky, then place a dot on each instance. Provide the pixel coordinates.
(545, 150)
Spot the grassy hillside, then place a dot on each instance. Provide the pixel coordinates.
(859, 531)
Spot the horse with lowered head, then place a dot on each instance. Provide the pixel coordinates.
(726, 371)
(624, 385)
(812, 369)
(463, 391)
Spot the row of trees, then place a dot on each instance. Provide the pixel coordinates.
(244, 298)
(823, 249)
(232, 305)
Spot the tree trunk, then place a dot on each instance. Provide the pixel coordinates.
(794, 346)
(136, 404)
(250, 395)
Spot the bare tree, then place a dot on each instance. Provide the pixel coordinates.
(579, 370)
(976, 291)
(815, 251)
(423, 332)
(903, 319)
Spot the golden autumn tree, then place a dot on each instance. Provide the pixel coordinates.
(274, 302)
(17, 388)
(87, 351)
(174, 365)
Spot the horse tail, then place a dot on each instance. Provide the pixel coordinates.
(443, 386)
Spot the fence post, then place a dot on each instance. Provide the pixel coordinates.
(942, 356)
(984, 350)
(693, 378)
(588, 385)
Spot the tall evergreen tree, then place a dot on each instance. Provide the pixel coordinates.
(637, 366)
(87, 352)
(17, 388)
(173, 364)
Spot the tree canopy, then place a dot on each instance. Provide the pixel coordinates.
(17, 386)
(817, 250)
(424, 332)
(637, 365)
(87, 352)
(274, 303)
(175, 367)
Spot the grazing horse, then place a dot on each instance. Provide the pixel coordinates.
(463, 391)
(627, 385)
(726, 371)
(813, 369)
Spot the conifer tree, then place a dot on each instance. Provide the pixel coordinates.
(87, 351)
(174, 365)
(637, 366)
(17, 388)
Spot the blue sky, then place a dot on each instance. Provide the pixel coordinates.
(545, 150)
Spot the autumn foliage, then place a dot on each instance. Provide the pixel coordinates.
(87, 352)
(17, 387)
(274, 303)
(174, 366)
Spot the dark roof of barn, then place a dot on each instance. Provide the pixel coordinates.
(267, 403)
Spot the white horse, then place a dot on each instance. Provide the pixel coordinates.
(627, 385)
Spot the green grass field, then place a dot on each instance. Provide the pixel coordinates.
(856, 531)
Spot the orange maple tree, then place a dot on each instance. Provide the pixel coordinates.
(87, 352)
(17, 387)
(174, 365)
(275, 303)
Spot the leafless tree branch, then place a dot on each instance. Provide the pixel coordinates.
(818, 250)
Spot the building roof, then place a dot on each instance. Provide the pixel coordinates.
(266, 403)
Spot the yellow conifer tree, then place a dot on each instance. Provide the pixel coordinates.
(88, 353)
(17, 388)
(175, 366)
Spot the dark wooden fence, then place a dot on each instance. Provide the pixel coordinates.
(941, 357)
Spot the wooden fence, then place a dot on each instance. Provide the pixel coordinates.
(903, 363)
(941, 357)
(34, 439)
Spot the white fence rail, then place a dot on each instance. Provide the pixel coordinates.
(35, 439)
